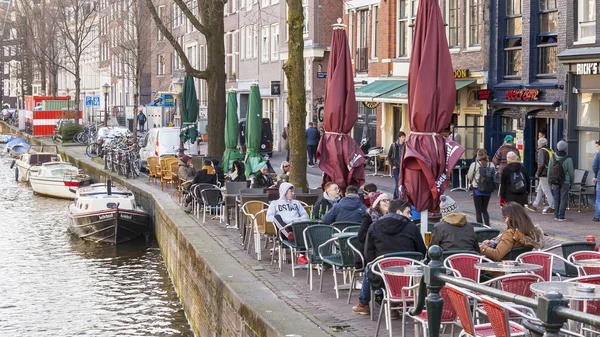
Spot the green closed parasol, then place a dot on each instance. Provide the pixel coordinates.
(189, 111)
(254, 161)
(231, 132)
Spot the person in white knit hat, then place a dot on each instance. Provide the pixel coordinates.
(453, 232)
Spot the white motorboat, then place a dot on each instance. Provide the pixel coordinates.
(106, 213)
(29, 163)
(58, 180)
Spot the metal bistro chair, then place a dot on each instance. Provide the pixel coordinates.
(501, 319)
(343, 258)
(341, 225)
(351, 229)
(546, 260)
(577, 256)
(297, 246)
(448, 316)
(463, 265)
(448, 253)
(315, 236)
(354, 244)
(196, 193)
(211, 199)
(590, 307)
(518, 283)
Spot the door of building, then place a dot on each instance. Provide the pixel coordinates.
(397, 121)
(366, 117)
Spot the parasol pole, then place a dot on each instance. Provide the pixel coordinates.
(424, 222)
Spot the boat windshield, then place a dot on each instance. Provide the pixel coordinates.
(61, 171)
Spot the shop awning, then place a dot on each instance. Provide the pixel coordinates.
(463, 83)
(400, 95)
(377, 88)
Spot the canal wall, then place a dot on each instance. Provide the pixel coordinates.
(220, 296)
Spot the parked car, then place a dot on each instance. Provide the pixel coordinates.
(164, 142)
(266, 139)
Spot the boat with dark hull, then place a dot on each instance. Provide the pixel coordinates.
(106, 213)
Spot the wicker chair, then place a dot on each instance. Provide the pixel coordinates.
(152, 169)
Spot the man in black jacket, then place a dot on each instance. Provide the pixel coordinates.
(543, 187)
(392, 233)
(395, 158)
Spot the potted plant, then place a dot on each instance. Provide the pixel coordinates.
(205, 134)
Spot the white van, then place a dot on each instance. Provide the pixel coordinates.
(163, 142)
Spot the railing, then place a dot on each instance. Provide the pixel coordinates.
(551, 309)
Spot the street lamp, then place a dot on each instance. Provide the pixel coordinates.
(105, 90)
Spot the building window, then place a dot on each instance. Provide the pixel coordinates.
(474, 23)
(305, 12)
(351, 33)
(453, 23)
(234, 51)
(308, 73)
(265, 44)
(160, 11)
(255, 41)
(375, 14)
(160, 65)
(362, 41)
(249, 42)
(588, 118)
(586, 27)
(275, 42)
(513, 43)
(547, 42)
(401, 29)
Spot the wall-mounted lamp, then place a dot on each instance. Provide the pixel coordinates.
(556, 105)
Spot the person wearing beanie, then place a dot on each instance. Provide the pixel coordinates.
(186, 171)
(560, 190)
(596, 169)
(330, 197)
(481, 194)
(500, 157)
(543, 188)
(453, 232)
(514, 181)
(349, 209)
(380, 204)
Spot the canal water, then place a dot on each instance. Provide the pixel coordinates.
(54, 284)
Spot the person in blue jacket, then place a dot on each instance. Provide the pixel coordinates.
(350, 208)
(312, 141)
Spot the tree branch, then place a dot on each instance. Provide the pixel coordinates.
(193, 20)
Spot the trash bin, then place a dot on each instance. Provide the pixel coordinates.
(130, 124)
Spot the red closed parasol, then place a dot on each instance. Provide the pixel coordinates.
(340, 157)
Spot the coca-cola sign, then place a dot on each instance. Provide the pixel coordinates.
(523, 95)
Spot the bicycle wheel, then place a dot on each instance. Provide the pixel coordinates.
(135, 167)
(83, 138)
(92, 150)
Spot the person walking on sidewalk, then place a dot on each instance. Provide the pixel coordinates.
(483, 193)
(500, 157)
(312, 141)
(560, 177)
(141, 120)
(596, 169)
(395, 159)
(514, 182)
(543, 188)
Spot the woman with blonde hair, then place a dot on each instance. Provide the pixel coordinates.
(520, 232)
(482, 194)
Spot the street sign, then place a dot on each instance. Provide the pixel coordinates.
(96, 100)
(88, 100)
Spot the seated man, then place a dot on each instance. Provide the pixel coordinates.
(206, 175)
(453, 232)
(262, 179)
(286, 210)
(349, 208)
(392, 233)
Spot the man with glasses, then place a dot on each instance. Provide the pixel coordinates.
(330, 198)
(350, 208)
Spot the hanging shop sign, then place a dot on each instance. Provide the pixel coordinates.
(588, 68)
(461, 73)
(523, 95)
(371, 105)
(483, 95)
(275, 88)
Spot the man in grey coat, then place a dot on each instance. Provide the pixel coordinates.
(543, 188)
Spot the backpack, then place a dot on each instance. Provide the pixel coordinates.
(485, 182)
(550, 154)
(517, 183)
(556, 176)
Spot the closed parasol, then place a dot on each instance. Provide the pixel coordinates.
(254, 161)
(231, 132)
(428, 156)
(340, 157)
(189, 111)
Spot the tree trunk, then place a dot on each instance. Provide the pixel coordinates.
(294, 71)
(215, 47)
(136, 95)
(77, 93)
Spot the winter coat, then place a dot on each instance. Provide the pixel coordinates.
(512, 239)
(322, 206)
(312, 136)
(262, 181)
(473, 174)
(395, 154)
(185, 172)
(393, 233)
(283, 178)
(350, 208)
(202, 177)
(567, 166)
(289, 210)
(505, 180)
(500, 159)
(454, 233)
(596, 166)
(543, 159)
(365, 224)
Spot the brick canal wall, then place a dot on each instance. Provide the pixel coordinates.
(219, 295)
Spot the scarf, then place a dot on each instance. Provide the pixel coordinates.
(374, 214)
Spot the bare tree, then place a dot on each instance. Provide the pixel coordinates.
(294, 72)
(210, 24)
(135, 47)
(78, 29)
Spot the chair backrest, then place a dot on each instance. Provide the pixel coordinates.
(464, 265)
(310, 199)
(264, 227)
(486, 233)
(346, 252)
(273, 193)
(394, 283)
(351, 229)
(512, 255)
(211, 196)
(341, 225)
(447, 253)
(497, 315)
(569, 248)
(592, 307)
(254, 197)
(308, 209)
(252, 207)
(460, 302)
(354, 245)
(252, 191)
(586, 255)
(298, 228)
(541, 259)
(196, 190)
(152, 163)
(316, 235)
(477, 225)
(235, 187)
(518, 284)
(580, 176)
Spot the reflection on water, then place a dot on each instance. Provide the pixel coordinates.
(54, 284)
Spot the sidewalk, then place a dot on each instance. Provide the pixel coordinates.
(578, 226)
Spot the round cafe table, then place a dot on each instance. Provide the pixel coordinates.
(404, 271)
(588, 263)
(517, 267)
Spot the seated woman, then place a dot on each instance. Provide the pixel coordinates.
(284, 177)
(263, 179)
(186, 171)
(520, 233)
(330, 197)
(237, 172)
(286, 210)
(206, 175)
(380, 204)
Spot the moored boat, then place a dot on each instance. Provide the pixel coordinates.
(58, 180)
(5, 138)
(29, 163)
(106, 213)
(17, 146)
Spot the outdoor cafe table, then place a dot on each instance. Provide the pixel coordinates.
(572, 291)
(588, 263)
(508, 268)
(404, 271)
